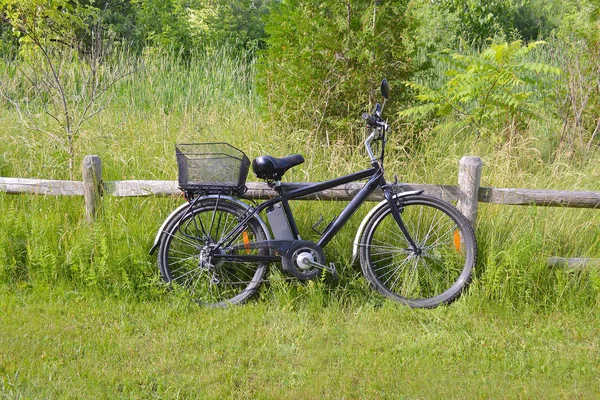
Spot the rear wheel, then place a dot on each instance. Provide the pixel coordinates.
(187, 249)
(437, 270)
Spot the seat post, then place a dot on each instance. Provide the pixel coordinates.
(277, 187)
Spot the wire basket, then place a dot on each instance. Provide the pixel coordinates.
(211, 167)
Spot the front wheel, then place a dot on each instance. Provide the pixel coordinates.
(433, 273)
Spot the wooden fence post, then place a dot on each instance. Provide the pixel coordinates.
(92, 185)
(469, 178)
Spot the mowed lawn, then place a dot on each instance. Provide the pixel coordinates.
(56, 343)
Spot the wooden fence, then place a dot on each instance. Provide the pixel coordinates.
(467, 194)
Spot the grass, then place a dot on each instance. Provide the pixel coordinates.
(85, 315)
(70, 344)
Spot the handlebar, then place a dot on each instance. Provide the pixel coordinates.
(377, 124)
(379, 127)
(374, 120)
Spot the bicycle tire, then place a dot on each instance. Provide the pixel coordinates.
(185, 240)
(436, 276)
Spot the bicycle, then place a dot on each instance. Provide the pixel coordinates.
(413, 248)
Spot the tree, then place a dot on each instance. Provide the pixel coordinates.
(53, 72)
(577, 50)
(479, 20)
(324, 61)
(9, 44)
(240, 22)
(164, 23)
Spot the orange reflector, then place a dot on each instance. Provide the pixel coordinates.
(457, 240)
(246, 242)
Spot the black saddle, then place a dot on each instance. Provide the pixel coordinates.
(273, 168)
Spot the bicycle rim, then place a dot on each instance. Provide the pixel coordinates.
(434, 274)
(185, 255)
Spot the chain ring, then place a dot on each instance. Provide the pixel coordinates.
(291, 261)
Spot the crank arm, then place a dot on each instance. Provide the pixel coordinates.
(331, 268)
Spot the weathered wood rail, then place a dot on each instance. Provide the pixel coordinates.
(467, 194)
(260, 190)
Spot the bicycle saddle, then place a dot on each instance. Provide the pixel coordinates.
(273, 168)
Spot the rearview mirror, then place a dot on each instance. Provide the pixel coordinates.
(385, 89)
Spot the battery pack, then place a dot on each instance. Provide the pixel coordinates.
(280, 226)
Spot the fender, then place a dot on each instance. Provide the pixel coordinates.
(185, 205)
(361, 228)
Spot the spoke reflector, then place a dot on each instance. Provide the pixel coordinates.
(246, 241)
(457, 240)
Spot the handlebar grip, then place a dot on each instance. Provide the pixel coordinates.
(372, 120)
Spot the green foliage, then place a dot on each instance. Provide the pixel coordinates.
(118, 19)
(238, 22)
(576, 49)
(9, 44)
(324, 57)
(535, 19)
(53, 77)
(164, 24)
(473, 23)
(182, 25)
(174, 25)
(496, 92)
(46, 23)
(479, 20)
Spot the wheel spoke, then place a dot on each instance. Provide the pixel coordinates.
(186, 254)
(418, 276)
(185, 239)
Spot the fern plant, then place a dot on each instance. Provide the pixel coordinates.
(496, 92)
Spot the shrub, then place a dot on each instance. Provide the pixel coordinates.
(323, 57)
(496, 92)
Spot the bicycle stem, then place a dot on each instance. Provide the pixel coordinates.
(368, 141)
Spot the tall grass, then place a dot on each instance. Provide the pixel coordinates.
(211, 97)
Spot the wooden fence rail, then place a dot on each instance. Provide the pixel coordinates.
(467, 194)
(259, 190)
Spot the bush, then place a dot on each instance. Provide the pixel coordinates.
(496, 93)
(576, 48)
(325, 60)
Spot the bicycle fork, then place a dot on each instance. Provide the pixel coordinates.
(389, 196)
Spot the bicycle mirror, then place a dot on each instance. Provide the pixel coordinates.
(385, 89)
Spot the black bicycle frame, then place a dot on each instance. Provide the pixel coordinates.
(376, 180)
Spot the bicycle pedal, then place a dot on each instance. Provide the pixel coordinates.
(333, 270)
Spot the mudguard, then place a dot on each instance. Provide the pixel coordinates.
(361, 228)
(185, 205)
